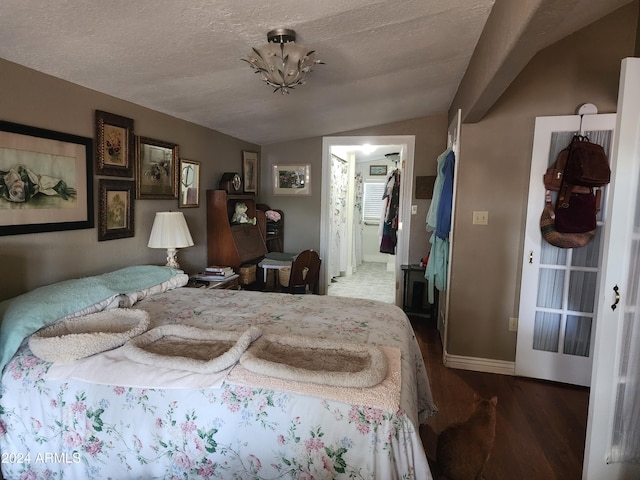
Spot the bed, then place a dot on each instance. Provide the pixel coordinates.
(108, 416)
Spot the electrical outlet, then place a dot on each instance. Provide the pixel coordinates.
(513, 324)
(480, 217)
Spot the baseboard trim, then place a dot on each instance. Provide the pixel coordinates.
(477, 364)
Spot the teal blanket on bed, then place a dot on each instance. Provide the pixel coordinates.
(27, 313)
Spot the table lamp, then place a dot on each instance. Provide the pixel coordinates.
(170, 231)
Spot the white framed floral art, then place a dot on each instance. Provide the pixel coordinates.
(292, 179)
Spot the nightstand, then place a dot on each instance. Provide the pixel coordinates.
(415, 290)
(227, 283)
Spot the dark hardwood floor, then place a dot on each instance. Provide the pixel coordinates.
(540, 428)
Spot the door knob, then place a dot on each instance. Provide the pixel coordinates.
(617, 292)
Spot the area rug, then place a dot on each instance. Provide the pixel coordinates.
(81, 337)
(314, 360)
(190, 348)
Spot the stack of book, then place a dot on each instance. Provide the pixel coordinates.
(218, 271)
(215, 274)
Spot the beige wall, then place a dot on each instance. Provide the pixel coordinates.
(494, 175)
(36, 259)
(303, 213)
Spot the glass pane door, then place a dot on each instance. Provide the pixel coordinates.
(559, 287)
(567, 280)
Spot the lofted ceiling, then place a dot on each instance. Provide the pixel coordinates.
(385, 61)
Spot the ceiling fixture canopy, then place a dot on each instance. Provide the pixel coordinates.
(281, 62)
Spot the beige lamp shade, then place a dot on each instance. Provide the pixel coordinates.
(170, 231)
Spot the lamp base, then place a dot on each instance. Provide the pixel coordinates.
(172, 260)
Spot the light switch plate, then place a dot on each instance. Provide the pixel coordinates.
(480, 217)
(513, 324)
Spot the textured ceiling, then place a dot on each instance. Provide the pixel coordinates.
(385, 61)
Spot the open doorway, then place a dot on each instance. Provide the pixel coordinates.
(353, 264)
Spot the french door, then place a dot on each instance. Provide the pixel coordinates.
(613, 428)
(557, 316)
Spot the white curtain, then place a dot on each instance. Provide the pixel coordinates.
(338, 224)
(357, 253)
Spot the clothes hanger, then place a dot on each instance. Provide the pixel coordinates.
(586, 109)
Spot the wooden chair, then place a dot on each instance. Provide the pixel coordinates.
(305, 272)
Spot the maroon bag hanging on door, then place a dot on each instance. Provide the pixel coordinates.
(577, 214)
(579, 168)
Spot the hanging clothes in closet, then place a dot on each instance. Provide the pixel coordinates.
(439, 222)
(389, 222)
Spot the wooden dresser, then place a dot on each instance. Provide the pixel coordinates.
(233, 245)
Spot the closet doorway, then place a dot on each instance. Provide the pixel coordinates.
(355, 171)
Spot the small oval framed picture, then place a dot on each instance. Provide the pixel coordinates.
(189, 191)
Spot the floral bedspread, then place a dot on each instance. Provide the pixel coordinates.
(69, 429)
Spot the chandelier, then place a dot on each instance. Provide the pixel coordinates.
(281, 62)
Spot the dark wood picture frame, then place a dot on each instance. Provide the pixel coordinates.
(115, 145)
(156, 169)
(31, 206)
(250, 171)
(116, 209)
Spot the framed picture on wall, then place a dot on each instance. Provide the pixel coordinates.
(377, 170)
(292, 179)
(115, 145)
(189, 183)
(46, 180)
(115, 210)
(250, 171)
(156, 169)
